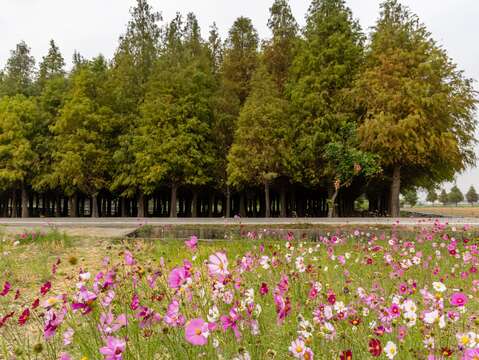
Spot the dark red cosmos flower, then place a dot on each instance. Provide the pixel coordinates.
(35, 304)
(4, 319)
(346, 355)
(45, 288)
(263, 290)
(375, 347)
(24, 317)
(446, 352)
(355, 321)
(369, 261)
(6, 289)
(332, 299)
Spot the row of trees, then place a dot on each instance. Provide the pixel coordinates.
(321, 108)
(454, 196)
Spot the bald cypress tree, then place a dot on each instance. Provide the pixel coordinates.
(240, 59)
(173, 143)
(419, 106)
(83, 135)
(18, 75)
(258, 155)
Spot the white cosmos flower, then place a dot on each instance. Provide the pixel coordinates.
(390, 350)
(439, 286)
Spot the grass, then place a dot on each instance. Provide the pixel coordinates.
(452, 211)
(345, 263)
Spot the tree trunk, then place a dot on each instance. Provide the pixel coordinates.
(267, 202)
(14, 204)
(242, 208)
(194, 204)
(395, 190)
(141, 205)
(94, 206)
(73, 206)
(122, 207)
(332, 203)
(228, 202)
(58, 206)
(25, 212)
(211, 201)
(174, 189)
(283, 205)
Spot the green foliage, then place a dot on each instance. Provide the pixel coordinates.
(455, 195)
(410, 196)
(17, 77)
(418, 106)
(260, 148)
(432, 196)
(321, 75)
(52, 65)
(19, 118)
(82, 133)
(472, 196)
(443, 198)
(344, 160)
(173, 143)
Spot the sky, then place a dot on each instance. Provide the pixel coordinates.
(93, 27)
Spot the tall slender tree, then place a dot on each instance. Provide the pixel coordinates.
(175, 145)
(419, 106)
(240, 59)
(321, 77)
(257, 156)
(19, 118)
(18, 77)
(83, 136)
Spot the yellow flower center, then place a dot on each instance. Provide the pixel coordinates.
(299, 349)
(198, 331)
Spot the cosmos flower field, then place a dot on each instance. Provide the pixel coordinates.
(357, 294)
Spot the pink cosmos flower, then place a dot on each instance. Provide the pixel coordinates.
(178, 276)
(114, 348)
(218, 264)
(394, 311)
(403, 289)
(458, 299)
(197, 332)
(231, 322)
(109, 325)
(173, 316)
(68, 336)
(192, 243)
(283, 307)
(471, 354)
(135, 302)
(65, 356)
(297, 348)
(129, 260)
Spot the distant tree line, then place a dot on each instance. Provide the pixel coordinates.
(455, 196)
(300, 124)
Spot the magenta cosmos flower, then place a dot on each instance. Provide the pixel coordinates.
(458, 299)
(114, 348)
(218, 264)
(196, 332)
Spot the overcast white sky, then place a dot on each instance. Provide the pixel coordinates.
(93, 27)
